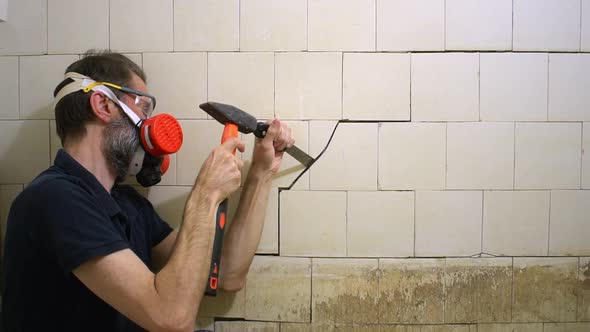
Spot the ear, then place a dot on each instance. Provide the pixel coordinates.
(104, 110)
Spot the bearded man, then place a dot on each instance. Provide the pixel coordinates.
(85, 253)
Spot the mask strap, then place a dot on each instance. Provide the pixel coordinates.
(81, 82)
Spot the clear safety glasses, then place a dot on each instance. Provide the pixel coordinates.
(143, 101)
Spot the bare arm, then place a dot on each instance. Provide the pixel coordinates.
(161, 252)
(243, 234)
(169, 300)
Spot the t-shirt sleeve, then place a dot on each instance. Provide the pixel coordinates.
(160, 230)
(76, 228)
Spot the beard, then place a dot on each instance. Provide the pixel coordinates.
(121, 140)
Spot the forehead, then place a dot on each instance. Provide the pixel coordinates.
(137, 83)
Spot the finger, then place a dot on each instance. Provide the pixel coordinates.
(234, 143)
(274, 130)
(239, 163)
(281, 142)
(291, 142)
(281, 146)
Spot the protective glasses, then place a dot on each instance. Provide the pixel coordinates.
(143, 101)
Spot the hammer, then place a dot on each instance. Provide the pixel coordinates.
(234, 120)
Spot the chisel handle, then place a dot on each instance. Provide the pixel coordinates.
(230, 131)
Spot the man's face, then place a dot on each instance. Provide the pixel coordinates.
(121, 138)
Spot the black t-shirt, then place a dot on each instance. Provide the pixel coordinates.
(62, 219)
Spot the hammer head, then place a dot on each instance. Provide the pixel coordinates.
(230, 114)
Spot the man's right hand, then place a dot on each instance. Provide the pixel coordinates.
(221, 174)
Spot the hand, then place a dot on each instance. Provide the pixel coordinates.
(268, 152)
(221, 174)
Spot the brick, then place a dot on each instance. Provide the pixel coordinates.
(585, 47)
(583, 289)
(205, 323)
(480, 155)
(478, 290)
(265, 26)
(546, 25)
(344, 290)
(341, 26)
(269, 239)
(9, 88)
(513, 87)
(411, 291)
(134, 33)
(271, 280)
(544, 289)
(8, 193)
(391, 215)
(417, 25)
(137, 58)
(547, 155)
(38, 77)
(376, 86)
(428, 328)
(352, 152)
(244, 80)
(478, 25)
(586, 156)
(412, 156)
(25, 30)
(510, 327)
(71, 30)
(568, 86)
(569, 229)
(444, 230)
(179, 82)
(54, 141)
(296, 327)
(169, 202)
(206, 25)
(225, 304)
(516, 223)
(313, 223)
(200, 138)
(308, 85)
(566, 327)
(237, 326)
(445, 87)
(24, 146)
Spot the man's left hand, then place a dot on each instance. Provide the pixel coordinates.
(268, 152)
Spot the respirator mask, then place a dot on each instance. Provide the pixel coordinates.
(160, 135)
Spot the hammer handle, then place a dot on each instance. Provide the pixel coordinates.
(230, 131)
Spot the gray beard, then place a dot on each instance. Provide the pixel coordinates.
(120, 143)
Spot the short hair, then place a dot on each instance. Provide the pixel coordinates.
(73, 111)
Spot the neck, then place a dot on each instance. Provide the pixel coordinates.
(88, 152)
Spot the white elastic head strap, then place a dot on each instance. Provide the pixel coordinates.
(80, 83)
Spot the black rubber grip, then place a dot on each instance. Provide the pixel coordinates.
(220, 221)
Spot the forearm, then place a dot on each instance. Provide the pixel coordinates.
(243, 235)
(181, 283)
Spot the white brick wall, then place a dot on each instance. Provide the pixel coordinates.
(513, 87)
(469, 125)
(445, 87)
(478, 25)
(546, 25)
